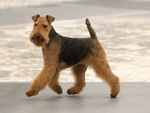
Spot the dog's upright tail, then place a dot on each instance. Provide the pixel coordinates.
(90, 29)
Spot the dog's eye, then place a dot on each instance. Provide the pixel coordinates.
(35, 24)
(45, 26)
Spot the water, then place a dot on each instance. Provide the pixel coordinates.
(20, 3)
(126, 42)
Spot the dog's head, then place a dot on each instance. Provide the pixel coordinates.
(41, 29)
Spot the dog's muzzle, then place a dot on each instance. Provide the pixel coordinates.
(37, 37)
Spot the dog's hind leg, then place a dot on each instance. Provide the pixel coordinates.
(79, 74)
(103, 70)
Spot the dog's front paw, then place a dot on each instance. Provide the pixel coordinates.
(31, 93)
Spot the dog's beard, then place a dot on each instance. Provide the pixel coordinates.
(39, 43)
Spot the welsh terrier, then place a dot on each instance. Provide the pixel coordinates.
(60, 52)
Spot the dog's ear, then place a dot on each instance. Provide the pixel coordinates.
(35, 17)
(50, 19)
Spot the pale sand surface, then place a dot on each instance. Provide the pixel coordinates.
(134, 98)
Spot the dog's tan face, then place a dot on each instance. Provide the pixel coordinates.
(41, 29)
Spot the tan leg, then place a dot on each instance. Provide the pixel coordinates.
(54, 84)
(103, 70)
(79, 74)
(41, 81)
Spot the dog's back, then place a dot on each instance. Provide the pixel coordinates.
(74, 50)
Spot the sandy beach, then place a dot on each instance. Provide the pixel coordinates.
(123, 31)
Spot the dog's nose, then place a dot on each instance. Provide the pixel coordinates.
(37, 37)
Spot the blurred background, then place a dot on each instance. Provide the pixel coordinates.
(123, 28)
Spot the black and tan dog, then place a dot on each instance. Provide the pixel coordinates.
(61, 52)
